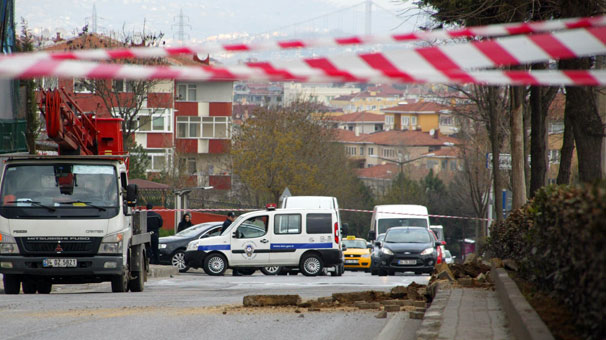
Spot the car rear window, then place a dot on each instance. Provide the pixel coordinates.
(408, 235)
(319, 224)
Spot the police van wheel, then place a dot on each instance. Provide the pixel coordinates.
(215, 264)
(311, 265)
(271, 270)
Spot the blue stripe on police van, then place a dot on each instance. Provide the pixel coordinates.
(300, 245)
(215, 247)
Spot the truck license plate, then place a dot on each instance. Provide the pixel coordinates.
(60, 263)
(351, 261)
(407, 262)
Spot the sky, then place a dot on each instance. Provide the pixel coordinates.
(214, 19)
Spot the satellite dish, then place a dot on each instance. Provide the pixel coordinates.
(432, 132)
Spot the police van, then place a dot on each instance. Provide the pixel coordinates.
(305, 238)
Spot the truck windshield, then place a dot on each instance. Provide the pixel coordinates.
(57, 186)
(386, 223)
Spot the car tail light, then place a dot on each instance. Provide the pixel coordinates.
(337, 232)
(439, 255)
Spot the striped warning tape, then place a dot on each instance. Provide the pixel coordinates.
(350, 210)
(214, 48)
(447, 64)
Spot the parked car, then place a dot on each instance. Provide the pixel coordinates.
(357, 255)
(448, 257)
(407, 249)
(171, 249)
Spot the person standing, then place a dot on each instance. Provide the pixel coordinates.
(231, 216)
(185, 222)
(154, 223)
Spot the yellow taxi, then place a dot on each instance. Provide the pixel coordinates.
(357, 255)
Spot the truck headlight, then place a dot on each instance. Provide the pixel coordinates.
(386, 251)
(112, 244)
(8, 245)
(427, 251)
(162, 246)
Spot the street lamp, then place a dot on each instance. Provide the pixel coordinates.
(181, 202)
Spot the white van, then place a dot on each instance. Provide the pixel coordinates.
(305, 238)
(395, 215)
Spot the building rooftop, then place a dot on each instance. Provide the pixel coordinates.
(418, 107)
(384, 171)
(359, 117)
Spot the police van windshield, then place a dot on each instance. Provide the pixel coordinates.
(58, 186)
(386, 223)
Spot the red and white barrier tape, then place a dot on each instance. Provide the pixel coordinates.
(432, 64)
(470, 32)
(351, 210)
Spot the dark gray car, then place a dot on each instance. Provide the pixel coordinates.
(172, 248)
(405, 249)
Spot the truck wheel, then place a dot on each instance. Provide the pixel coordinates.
(215, 264)
(178, 261)
(44, 287)
(29, 286)
(311, 265)
(12, 284)
(138, 283)
(120, 282)
(271, 270)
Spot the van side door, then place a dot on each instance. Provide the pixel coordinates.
(287, 234)
(250, 242)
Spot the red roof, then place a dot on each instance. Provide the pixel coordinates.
(409, 137)
(346, 136)
(446, 152)
(384, 171)
(145, 184)
(418, 107)
(359, 117)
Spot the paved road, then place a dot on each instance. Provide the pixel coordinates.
(182, 308)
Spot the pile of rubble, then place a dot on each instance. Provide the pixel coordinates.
(412, 299)
(473, 273)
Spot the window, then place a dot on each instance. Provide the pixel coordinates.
(253, 227)
(389, 120)
(121, 85)
(189, 164)
(447, 121)
(554, 156)
(389, 153)
(413, 120)
(215, 127)
(319, 223)
(186, 92)
(453, 164)
(431, 163)
(188, 127)
(350, 150)
(83, 85)
(445, 164)
(378, 127)
(405, 123)
(157, 161)
(287, 224)
(371, 151)
(361, 151)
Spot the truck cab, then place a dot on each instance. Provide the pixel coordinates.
(67, 219)
(305, 238)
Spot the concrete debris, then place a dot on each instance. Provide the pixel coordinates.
(382, 315)
(510, 265)
(271, 300)
(399, 292)
(391, 308)
(471, 258)
(416, 315)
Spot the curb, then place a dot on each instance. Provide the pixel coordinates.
(393, 328)
(430, 327)
(156, 271)
(524, 321)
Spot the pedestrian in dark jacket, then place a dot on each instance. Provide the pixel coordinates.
(185, 222)
(231, 216)
(154, 223)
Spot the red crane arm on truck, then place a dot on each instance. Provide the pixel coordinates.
(78, 133)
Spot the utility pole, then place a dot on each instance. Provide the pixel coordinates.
(181, 25)
(94, 19)
(368, 15)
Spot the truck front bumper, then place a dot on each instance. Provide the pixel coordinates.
(85, 266)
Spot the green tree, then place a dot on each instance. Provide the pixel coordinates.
(404, 190)
(139, 161)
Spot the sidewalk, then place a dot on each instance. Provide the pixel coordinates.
(465, 313)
